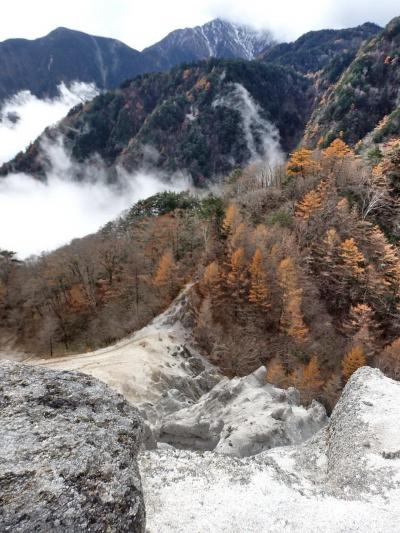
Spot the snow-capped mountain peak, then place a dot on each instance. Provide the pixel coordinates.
(217, 38)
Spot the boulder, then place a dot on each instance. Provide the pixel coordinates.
(363, 453)
(68, 455)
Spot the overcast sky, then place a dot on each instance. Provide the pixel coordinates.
(141, 23)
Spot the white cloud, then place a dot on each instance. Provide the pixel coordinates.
(35, 115)
(140, 24)
(38, 216)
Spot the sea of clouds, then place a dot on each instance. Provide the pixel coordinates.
(38, 216)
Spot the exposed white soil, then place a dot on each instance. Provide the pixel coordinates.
(346, 479)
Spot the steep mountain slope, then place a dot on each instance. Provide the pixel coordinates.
(322, 55)
(365, 97)
(316, 50)
(184, 398)
(218, 38)
(65, 55)
(205, 118)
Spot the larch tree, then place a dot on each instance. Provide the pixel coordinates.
(353, 261)
(330, 246)
(231, 220)
(276, 374)
(213, 287)
(311, 201)
(165, 276)
(362, 328)
(311, 381)
(353, 360)
(337, 149)
(258, 292)
(211, 275)
(301, 163)
(235, 268)
(336, 158)
(235, 280)
(387, 258)
(291, 321)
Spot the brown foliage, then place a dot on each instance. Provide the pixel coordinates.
(389, 360)
(353, 360)
(292, 322)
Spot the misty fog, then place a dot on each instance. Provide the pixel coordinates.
(262, 137)
(24, 116)
(37, 216)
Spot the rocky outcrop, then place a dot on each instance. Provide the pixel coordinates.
(345, 478)
(243, 416)
(68, 454)
(363, 452)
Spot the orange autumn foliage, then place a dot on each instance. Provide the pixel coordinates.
(292, 319)
(258, 293)
(353, 360)
(301, 163)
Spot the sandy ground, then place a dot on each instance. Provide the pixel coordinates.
(133, 365)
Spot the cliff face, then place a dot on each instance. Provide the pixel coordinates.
(68, 454)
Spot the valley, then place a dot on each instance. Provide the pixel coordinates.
(220, 349)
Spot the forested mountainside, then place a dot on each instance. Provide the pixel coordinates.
(323, 50)
(297, 269)
(322, 55)
(205, 118)
(210, 117)
(66, 55)
(364, 101)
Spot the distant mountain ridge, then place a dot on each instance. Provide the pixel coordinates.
(218, 38)
(66, 55)
(314, 50)
(327, 84)
(206, 118)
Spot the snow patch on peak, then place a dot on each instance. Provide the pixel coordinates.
(242, 40)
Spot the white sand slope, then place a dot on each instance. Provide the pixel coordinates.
(140, 367)
(346, 479)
